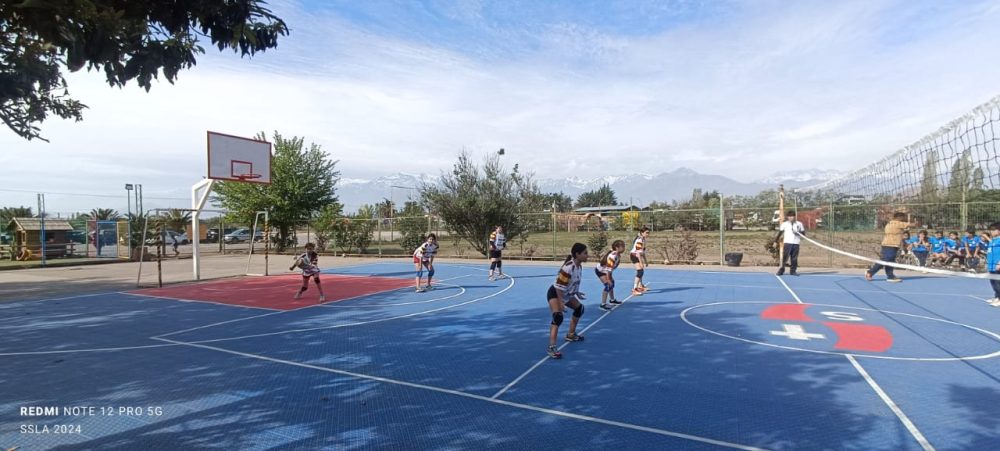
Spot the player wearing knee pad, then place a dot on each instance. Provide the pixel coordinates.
(565, 292)
(605, 272)
(497, 243)
(308, 262)
(423, 257)
(638, 257)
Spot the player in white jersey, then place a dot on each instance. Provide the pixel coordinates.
(638, 257)
(497, 243)
(565, 292)
(308, 262)
(605, 269)
(423, 257)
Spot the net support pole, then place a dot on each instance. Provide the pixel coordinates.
(781, 214)
(832, 223)
(722, 230)
(199, 195)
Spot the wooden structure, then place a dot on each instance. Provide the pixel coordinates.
(27, 235)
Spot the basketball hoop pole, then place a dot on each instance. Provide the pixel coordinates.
(199, 195)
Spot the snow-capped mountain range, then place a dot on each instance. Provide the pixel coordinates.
(641, 189)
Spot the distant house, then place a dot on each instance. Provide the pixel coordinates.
(27, 233)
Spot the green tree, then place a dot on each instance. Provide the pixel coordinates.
(597, 198)
(354, 233)
(472, 200)
(176, 220)
(562, 202)
(412, 225)
(133, 40)
(8, 213)
(977, 184)
(928, 183)
(104, 214)
(325, 224)
(303, 182)
(961, 175)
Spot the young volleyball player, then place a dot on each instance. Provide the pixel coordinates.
(566, 293)
(423, 257)
(638, 258)
(497, 244)
(609, 262)
(308, 262)
(993, 261)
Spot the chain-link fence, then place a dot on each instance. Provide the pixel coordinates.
(694, 236)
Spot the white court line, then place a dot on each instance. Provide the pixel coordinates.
(360, 323)
(168, 298)
(837, 290)
(878, 390)
(926, 445)
(72, 351)
(281, 311)
(546, 358)
(477, 397)
(18, 301)
(334, 304)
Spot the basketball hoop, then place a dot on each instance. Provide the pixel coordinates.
(245, 177)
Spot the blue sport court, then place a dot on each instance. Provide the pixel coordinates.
(704, 360)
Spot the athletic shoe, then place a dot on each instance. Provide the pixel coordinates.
(894, 280)
(644, 288)
(636, 292)
(298, 295)
(322, 298)
(429, 287)
(780, 272)
(554, 353)
(991, 301)
(995, 303)
(492, 278)
(793, 273)
(868, 276)
(616, 302)
(574, 337)
(421, 290)
(605, 307)
(501, 276)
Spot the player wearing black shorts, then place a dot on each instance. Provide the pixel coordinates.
(497, 243)
(605, 272)
(565, 292)
(638, 258)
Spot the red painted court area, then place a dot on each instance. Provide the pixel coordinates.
(277, 292)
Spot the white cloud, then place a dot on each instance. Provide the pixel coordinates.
(769, 86)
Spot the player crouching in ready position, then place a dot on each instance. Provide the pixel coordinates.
(423, 257)
(638, 258)
(566, 293)
(308, 262)
(605, 272)
(497, 243)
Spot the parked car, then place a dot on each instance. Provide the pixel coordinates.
(212, 235)
(76, 236)
(242, 235)
(168, 237)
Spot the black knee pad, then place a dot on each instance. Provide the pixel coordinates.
(578, 312)
(493, 265)
(640, 272)
(557, 318)
(499, 263)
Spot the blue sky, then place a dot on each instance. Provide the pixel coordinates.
(569, 88)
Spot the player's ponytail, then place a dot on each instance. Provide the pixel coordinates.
(577, 249)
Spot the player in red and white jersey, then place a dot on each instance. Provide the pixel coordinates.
(638, 257)
(497, 243)
(565, 292)
(605, 269)
(423, 257)
(308, 262)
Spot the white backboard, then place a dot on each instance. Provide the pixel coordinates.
(238, 159)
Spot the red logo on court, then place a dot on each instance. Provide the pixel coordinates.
(850, 336)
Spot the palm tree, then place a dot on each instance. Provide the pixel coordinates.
(104, 214)
(176, 219)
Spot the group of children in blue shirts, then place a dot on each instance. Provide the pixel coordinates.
(969, 250)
